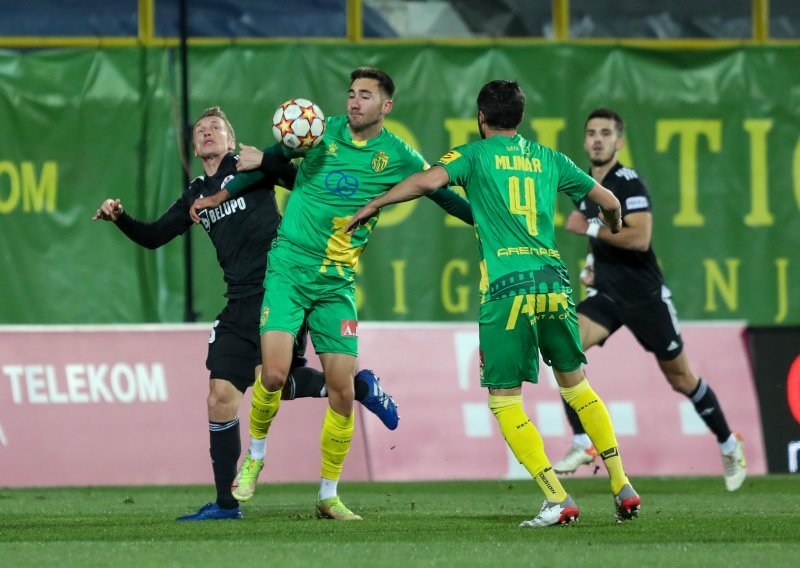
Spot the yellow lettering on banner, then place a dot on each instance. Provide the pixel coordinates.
(461, 130)
(624, 156)
(781, 268)
(547, 131)
(401, 211)
(38, 193)
(727, 286)
(689, 132)
(399, 271)
(9, 203)
(759, 214)
(460, 303)
(42, 195)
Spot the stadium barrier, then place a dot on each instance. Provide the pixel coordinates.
(110, 405)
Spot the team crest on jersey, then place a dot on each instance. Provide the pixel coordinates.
(264, 316)
(349, 328)
(332, 148)
(451, 156)
(379, 161)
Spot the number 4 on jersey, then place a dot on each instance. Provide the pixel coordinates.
(527, 206)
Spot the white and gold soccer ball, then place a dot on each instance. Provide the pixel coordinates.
(298, 124)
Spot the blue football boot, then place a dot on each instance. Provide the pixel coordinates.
(213, 512)
(378, 401)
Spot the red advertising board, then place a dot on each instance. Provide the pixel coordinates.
(127, 405)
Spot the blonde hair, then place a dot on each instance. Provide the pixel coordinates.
(219, 113)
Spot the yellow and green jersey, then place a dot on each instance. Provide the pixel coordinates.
(335, 180)
(511, 184)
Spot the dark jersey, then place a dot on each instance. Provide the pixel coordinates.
(631, 278)
(241, 228)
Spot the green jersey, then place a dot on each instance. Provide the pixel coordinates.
(335, 180)
(511, 184)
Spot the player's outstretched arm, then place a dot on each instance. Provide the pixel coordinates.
(413, 187)
(453, 203)
(149, 235)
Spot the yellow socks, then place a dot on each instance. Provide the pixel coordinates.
(597, 423)
(263, 410)
(337, 431)
(526, 444)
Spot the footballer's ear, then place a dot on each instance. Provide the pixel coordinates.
(387, 106)
(619, 143)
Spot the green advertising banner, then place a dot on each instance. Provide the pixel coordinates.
(714, 133)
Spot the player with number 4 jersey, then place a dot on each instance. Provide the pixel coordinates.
(516, 180)
(526, 309)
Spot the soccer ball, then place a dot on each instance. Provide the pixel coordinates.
(298, 124)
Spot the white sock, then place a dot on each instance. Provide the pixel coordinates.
(582, 440)
(729, 445)
(258, 448)
(327, 488)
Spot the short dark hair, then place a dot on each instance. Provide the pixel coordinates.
(218, 112)
(385, 82)
(502, 104)
(609, 114)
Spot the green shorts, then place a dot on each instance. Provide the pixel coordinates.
(291, 292)
(514, 330)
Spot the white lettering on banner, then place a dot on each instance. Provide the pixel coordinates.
(84, 383)
(793, 449)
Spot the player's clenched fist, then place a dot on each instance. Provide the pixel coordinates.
(110, 210)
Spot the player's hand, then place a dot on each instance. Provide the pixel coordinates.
(249, 158)
(587, 275)
(612, 220)
(576, 223)
(206, 203)
(362, 216)
(110, 210)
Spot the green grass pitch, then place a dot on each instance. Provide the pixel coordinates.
(684, 522)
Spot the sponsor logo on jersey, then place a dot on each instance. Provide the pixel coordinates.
(523, 251)
(379, 161)
(451, 156)
(349, 328)
(341, 184)
(210, 216)
(637, 202)
(227, 179)
(264, 316)
(627, 173)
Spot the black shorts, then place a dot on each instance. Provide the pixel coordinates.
(234, 346)
(654, 325)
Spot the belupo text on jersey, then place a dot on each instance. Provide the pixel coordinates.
(210, 216)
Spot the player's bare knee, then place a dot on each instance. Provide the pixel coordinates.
(273, 379)
(682, 382)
